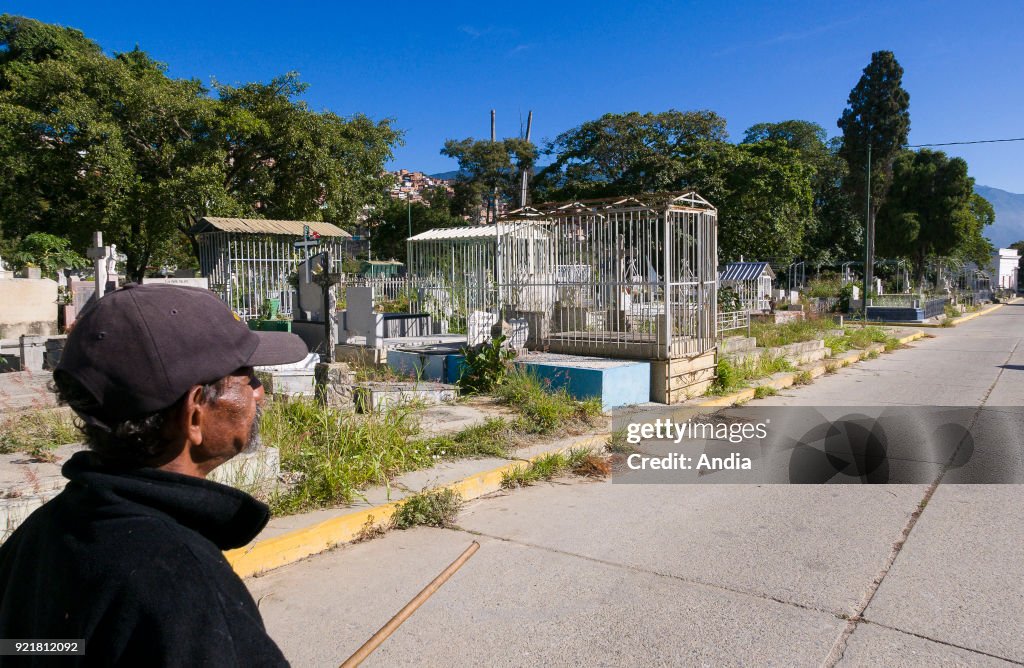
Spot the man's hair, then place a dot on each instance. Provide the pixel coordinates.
(129, 443)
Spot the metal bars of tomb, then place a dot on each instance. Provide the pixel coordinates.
(248, 261)
(626, 277)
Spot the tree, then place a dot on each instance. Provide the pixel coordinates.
(391, 226)
(90, 142)
(834, 232)
(877, 116)
(49, 253)
(626, 154)
(764, 198)
(486, 168)
(931, 210)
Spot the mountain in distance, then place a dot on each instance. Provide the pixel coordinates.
(447, 176)
(1009, 207)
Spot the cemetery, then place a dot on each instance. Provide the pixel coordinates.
(568, 309)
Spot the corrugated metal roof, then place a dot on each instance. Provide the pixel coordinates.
(744, 271)
(260, 226)
(472, 232)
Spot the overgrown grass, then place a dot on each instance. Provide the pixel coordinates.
(580, 461)
(837, 344)
(862, 337)
(332, 455)
(492, 438)
(376, 372)
(541, 409)
(436, 508)
(772, 335)
(762, 391)
(730, 376)
(328, 456)
(37, 432)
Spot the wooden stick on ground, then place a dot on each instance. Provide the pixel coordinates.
(380, 636)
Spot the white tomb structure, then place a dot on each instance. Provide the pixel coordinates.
(1004, 268)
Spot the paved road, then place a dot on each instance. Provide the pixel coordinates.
(596, 573)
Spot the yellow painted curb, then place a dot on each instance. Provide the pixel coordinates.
(977, 314)
(288, 548)
(788, 380)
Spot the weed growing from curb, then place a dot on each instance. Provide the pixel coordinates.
(762, 391)
(730, 377)
(617, 443)
(831, 368)
(436, 508)
(548, 466)
(803, 378)
(369, 531)
(872, 355)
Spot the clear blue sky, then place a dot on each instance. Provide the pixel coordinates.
(438, 68)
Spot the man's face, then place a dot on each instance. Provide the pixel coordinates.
(233, 417)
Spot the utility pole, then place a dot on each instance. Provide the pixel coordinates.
(523, 189)
(494, 194)
(869, 241)
(409, 201)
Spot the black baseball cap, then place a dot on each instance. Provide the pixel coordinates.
(139, 349)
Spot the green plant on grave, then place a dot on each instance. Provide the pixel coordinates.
(486, 367)
(728, 300)
(845, 295)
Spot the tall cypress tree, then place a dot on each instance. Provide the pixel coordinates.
(878, 116)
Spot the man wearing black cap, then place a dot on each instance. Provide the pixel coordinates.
(127, 558)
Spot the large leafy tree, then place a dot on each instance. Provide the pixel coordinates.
(877, 115)
(834, 233)
(932, 210)
(488, 169)
(764, 196)
(627, 153)
(391, 225)
(91, 142)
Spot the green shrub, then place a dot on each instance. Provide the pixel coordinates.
(762, 391)
(728, 300)
(486, 367)
(728, 377)
(824, 286)
(436, 508)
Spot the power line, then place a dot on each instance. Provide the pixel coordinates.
(960, 143)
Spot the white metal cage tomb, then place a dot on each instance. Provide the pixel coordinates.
(458, 271)
(250, 260)
(752, 283)
(625, 277)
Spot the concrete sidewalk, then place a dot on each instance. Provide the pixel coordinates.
(597, 573)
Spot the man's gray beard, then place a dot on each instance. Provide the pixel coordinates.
(253, 444)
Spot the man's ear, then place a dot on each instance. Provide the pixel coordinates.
(193, 412)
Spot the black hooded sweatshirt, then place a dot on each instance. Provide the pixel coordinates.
(130, 561)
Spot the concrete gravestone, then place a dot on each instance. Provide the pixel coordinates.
(478, 327)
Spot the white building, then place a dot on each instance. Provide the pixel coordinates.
(1004, 268)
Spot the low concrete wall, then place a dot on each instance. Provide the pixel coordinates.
(29, 307)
